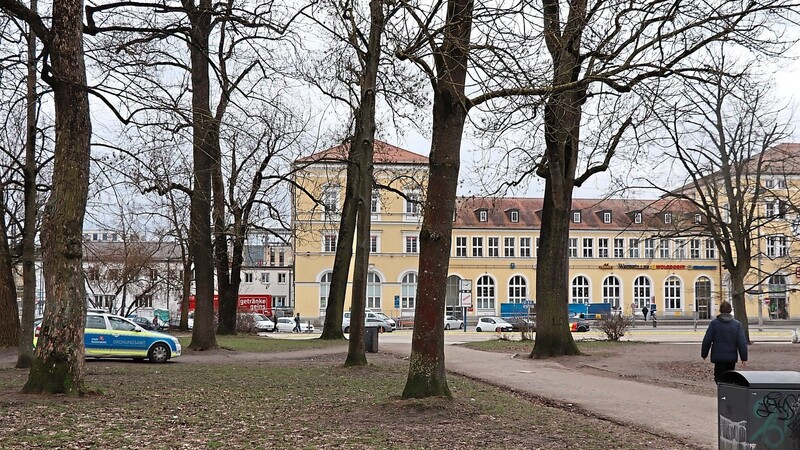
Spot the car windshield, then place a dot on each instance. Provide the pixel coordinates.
(121, 324)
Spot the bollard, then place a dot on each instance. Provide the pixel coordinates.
(655, 322)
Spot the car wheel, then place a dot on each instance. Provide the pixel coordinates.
(478, 329)
(460, 326)
(447, 326)
(159, 353)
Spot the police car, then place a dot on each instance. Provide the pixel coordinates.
(111, 336)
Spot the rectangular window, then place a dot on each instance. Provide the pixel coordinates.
(698, 218)
(637, 218)
(525, 247)
(477, 247)
(494, 247)
(412, 244)
(694, 250)
(281, 278)
(413, 206)
(281, 257)
(576, 216)
(375, 206)
(606, 217)
(264, 277)
(374, 246)
(588, 247)
(515, 216)
(483, 216)
(633, 248)
(663, 248)
(680, 248)
(271, 256)
(711, 249)
(602, 247)
(776, 246)
(329, 243)
(649, 248)
(619, 248)
(573, 247)
(248, 277)
(461, 246)
(143, 301)
(667, 218)
(330, 200)
(769, 184)
(509, 247)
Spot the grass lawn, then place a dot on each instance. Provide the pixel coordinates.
(292, 404)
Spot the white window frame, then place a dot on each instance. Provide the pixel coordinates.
(461, 247)
(642, 292)
(680, 249)
(412, 206)
(330, 200)
(509, 246)
(517, 289)
(633, 247)
(637, 218)
(281, 278)
(612, 291)
(411, 243)
(587, 247)
(619, 248)
(264, 277)
(580, 291)
(777, 246)
(525, 247)
(606, 217)
(576, 217)
(485, 292)
(573, 247)
(667, 218)
(374, 243)
(374, 288)
(514, 216)
(483, 215)
(602, 247)
(324, 289)
(711, 249)
(650, 248)
(477, 246)
(493, 247)
(408, 290)
(664, 248)
(694, 249)
(329, 242)
(673, 293)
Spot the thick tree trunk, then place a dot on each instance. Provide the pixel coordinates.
(203, 336)
(426, 373)
(738, 301)
(334, 311)
(59, 359)
(552, 284)
(9, 315)
(227, 296)
(28, 256)
(186, 291)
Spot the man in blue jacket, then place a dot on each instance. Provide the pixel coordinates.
(725, 338)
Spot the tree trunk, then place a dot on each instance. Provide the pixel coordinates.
(552, 284)
(227, 296)
(59, 359)
(738, 301)
(426, 373)
(186, 291)
(562, 122)
(334, 311)
(203, 336)
(9, 315)
(28, 256)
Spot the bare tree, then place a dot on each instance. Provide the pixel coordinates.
(723, 131)
(59, 358)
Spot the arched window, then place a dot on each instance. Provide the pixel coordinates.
(373, 290)
(580, 289)
(485, 297)
(612, 289)
(672, 293)
(408, 291)
(517, 289)
(325, 289)
(642, 292)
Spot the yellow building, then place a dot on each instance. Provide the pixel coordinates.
(629, 253)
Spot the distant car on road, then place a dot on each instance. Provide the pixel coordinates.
(523, 324)
(262, 322)
(451, 323)
(493, 324)
(386, 319)
(373, 322)
(578, 324)
(286, 325)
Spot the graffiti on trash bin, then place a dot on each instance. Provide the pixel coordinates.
(781, 414)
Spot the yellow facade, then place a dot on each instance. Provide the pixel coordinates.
(625, 252)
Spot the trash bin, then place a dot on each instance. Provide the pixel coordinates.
(371, 339)
(759, 409)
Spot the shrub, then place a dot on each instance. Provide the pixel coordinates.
(614, 326)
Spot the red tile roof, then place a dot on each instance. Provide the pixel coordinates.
(384, 154)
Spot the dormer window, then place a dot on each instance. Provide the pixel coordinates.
(637, 218)
(576, 217)
(514, 215)
(698, 218)
(483, 215)
(667, 218)
(607, 217)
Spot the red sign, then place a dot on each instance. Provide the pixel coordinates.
(261, 304)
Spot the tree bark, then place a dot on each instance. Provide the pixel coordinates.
(9, 315)
(203, 335)
(738, 300)
(227, 295)
(28, 255)
(426, 374)
(59, 358)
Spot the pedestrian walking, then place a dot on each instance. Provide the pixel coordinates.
(726, 341)
(644, 313)
(297, 323)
